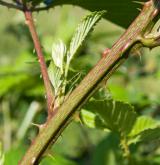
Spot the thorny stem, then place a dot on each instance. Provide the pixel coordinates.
(102, 71)
(37, 45)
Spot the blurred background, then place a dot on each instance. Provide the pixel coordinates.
(22, 96)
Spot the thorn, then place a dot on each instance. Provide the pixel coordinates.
(49, 153)
(155, 12)
(138, 2)
(33, 124)
(33, 160)
(105, 52)
(39, 126)
(139, 9)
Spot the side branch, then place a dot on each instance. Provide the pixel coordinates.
(37, 45)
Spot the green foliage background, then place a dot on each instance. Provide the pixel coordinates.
(22, 98)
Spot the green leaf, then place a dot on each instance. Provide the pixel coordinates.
(58, 70)
(14, 155)
(143, 123)
(145, 128)
(116, 116)
(83, 30)
(106, 151)
(121, 12)
(11, 81)
(150, 134)
(91, 119)
(14, 75)
(58, 54)
(146, 135)
(55, 77)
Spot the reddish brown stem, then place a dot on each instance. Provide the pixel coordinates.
(37, 45)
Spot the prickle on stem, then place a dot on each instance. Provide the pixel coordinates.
(105, 52)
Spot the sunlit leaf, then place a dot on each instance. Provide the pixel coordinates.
(58, 54)
(143, 123)
(83, 30)
(144, 128)
(116, 115)
(92, 120)
(55, 77)
(149, 134)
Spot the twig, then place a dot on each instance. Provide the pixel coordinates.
(37, 45)
(102, 71)
(11, 5)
